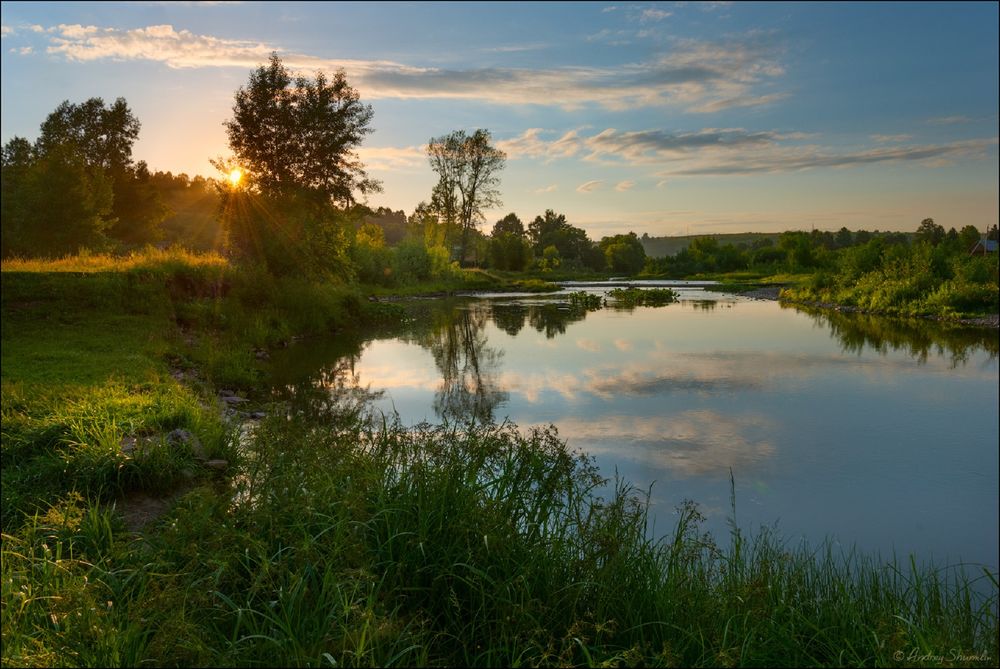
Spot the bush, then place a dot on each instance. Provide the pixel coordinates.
(411, 261)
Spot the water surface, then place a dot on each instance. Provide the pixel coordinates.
(875, 432)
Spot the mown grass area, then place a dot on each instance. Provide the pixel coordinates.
(349, 540)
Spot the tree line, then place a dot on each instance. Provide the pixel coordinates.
(287, 199)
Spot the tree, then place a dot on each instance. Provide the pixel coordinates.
(968, 237)
(509, 224)
(17, 159)
(57, 199)
(930, 232)
(61, 204)
(300, 136)
(295, 142)
(571, 242)
(101, 136)
(624, 253)
(466, 167)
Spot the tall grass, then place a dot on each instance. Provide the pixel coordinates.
(363, 543)
(88, 262)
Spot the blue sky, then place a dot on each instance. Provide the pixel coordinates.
(665, 118)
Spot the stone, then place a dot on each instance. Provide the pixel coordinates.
(182, 437)
(217, 465)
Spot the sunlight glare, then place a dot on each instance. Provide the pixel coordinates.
(235, 175)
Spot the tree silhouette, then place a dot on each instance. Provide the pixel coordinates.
(301, 135)
(466, 166)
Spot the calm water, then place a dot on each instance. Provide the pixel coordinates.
(875, 432)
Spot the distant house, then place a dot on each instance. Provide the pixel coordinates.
(983, 246)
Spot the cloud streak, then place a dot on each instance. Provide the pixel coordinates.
(732, 151)
(698, 76)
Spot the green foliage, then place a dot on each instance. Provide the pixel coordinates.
(363, 543)
(411, 262)
(925, 279)
(54, 204)
(77, 187)
(639, 297)
(623, 253)
(572, 245)
(467, 167)
(193, 207)
(291, 234)
(584, 300)
(930, 232)
(299, 136)
(509, 251)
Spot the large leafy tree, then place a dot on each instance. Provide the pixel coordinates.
(467, 168)
(77, 185)
(300, 136)
(572, 242)
(624, 253)
(101, 137)
(509, 247)
(930, 232)
(295, 139)
(54, 203)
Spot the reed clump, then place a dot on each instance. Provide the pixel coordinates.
(642, 297)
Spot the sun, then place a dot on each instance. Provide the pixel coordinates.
(235, 175)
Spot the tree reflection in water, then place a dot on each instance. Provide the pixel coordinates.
(918, 338)
(469, 388)
(469, 366)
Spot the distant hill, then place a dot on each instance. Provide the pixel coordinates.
(658, 247)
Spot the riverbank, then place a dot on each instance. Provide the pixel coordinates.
(773, 293)
(335, 539)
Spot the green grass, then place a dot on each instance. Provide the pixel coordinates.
(365, 544)
(346, 540)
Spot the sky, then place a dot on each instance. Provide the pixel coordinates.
(660, 118)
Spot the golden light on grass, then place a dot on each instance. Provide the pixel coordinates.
(235, 175)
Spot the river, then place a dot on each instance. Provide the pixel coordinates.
(872, 432)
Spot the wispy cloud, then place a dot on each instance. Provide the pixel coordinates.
(6, 30)
(390, 158)
(546, 189)
(794, 159)
(720, 151)
(515, 48)
(711, 6)
(654, 14)
(949, 120)
(623, 186)
(699, 76)
(589, 186)
(891, 139)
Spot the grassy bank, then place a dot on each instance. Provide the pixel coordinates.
(370, 545)
(348, 540)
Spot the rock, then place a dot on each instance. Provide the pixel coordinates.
(261, 354)
(257, 415)
(232, 399)
(217, 465)
(128, 445)
(181, 437)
